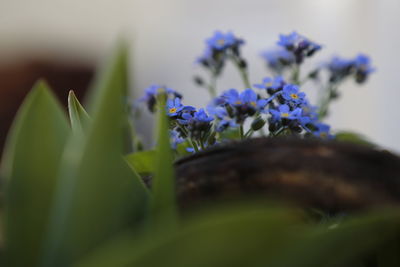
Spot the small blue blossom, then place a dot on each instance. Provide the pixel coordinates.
(363, 67)
(176, 138)
(292, 94)
(197, 123)
(290, 40)
(339, 68)
(299, 45)
(271, 83)
(197, 117)
(174, 106)
(248, 97)
(309, 111)
(363, 62)
(151, 93)
(284, 112)
(224, 121)
(221, 41)
(323, 131)
(278, 59)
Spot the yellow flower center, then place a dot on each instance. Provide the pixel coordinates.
(323, 135)
(268, 84)
(254, 104)
(221, 42)
(238, 102)
(172, 110)
(294, 96)
(285, 115)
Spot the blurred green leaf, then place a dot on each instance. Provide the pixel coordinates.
(228, 236)
(77, 114)
(30, 164)
(143, 161)
(352, 137)
(163, 206)
(98, 194)
(250, 236)
(389, 254)
(337, 244)
(232, 134)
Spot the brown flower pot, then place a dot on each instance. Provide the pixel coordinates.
(331, 176)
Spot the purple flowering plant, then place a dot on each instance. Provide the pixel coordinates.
(276, 106)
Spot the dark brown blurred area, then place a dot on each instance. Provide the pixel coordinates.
(17, 78)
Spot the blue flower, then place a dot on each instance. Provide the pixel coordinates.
(309, 111)
(197, 117)
(197, 123)
(299, 45)
(291, 93)
(339, 68)
(224, 120)
(248, 97)
(151, 93)
(271, 83)
(284, 112)
(363, 67)
(221, 41)
(176, 138)
(174, 106)
(363, 62)
(278, 59)
(323, 131)
(289, 41)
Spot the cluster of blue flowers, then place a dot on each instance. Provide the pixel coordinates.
(292, 49)
(276, 102)
(358, 67)
(219, 48)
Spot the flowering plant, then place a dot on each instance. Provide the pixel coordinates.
(274, 107)
(73, 193)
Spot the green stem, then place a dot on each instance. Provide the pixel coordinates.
(241, 131)
(202, 144)
(193, 144)
(279, 131)
(296, 74)
(243, 73)
(248, 133)
(212, 86)
(325, 101)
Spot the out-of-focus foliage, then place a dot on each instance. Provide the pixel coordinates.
(73, 198)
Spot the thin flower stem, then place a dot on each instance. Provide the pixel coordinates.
(202, 144)
(241, 131)
(325, 101)
(243, 72)
(249, 133)
(192, 143)
(196, 149)
(212, 86)
(296, 74)
(279, 131)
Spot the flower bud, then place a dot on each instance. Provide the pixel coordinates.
(257, 124)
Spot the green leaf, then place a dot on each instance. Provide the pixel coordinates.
(217, 237)
(338, 244)
(142, 162)
(252, 236)
(77, 114)
(163, 206)
(352, 137)
(30, 164)
(98, 195)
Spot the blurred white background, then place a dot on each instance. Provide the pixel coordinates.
(168, 35)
